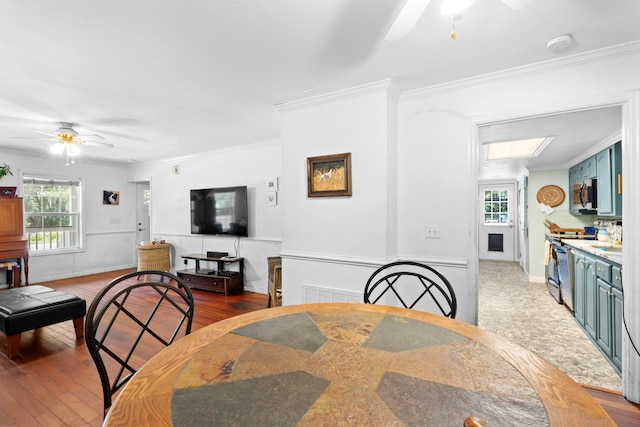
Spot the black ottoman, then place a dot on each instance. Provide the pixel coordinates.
(31, 307)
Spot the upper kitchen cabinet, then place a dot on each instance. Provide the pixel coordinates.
(587, 169)
(580, 186)
(609, 184)
(597, 183)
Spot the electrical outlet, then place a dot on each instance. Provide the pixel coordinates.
(432, 231)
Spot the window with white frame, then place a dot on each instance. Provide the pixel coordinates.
(52, 209)
(496, 206)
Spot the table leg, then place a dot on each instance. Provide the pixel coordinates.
(13, 345)
(78, 325)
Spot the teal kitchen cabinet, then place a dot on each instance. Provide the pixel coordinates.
(598, 303)
(585, 292)
(577, 174)
(609, 313)
(609, 170)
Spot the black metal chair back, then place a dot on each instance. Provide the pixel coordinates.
(129, 321)
(410, 282)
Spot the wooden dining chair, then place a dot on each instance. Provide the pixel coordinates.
(410, 283)
(274, 282)
(129, 321)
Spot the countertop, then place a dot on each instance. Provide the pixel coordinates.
(607, 250)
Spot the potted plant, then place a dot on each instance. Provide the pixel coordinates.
(6, 191)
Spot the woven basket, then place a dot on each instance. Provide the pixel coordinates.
(154, 257)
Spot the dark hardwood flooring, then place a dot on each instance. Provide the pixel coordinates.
(55, 383)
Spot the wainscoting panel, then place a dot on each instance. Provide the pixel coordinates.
(311, 294)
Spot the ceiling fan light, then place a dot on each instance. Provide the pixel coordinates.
(57, 148)
(450, 7)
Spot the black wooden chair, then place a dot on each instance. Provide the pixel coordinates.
(409, 282)
(129, 322)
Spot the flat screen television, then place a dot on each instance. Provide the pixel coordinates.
(220, 211)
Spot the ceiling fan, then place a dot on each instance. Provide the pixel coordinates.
(413, 10)
(67, 140)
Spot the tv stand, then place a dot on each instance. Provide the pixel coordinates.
(214, 279)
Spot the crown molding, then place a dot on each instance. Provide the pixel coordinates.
(387, 84)
(604, 54)
(231, 149)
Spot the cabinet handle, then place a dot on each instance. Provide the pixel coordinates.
(619, 183)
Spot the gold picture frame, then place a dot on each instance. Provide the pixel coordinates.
(329, 176)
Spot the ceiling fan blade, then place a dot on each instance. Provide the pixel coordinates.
(98, 144)
(123, 135)
(111, 121)
(406, 19)
(517, 4)
(44, 133)
(91, 136)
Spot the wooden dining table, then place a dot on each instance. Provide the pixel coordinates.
(349, 364)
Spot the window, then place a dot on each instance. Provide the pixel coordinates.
(496, 207)
(52, 213)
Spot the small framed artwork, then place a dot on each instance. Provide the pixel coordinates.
(110, 197)
(329, 176)
(272, 184)
(8, 191)
(272, 198)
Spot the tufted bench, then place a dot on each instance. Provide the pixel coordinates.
(31, 307)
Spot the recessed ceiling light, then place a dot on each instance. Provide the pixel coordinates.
(516, 149)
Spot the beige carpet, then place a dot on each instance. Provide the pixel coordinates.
(527, 314)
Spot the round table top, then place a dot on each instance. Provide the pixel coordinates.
(353, 364)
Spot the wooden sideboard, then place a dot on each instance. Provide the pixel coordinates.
(13, 242)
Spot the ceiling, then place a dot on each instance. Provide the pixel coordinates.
(166, 79)
(574, 135)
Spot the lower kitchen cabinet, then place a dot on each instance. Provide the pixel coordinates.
(598, 304)
(617, 327)
(585, 292)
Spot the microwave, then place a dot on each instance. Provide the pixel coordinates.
(585, 197)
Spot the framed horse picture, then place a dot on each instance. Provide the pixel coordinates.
(329, 176)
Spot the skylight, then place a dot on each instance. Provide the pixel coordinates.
(516, 149)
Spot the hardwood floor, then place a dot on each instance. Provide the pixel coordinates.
(55, 383)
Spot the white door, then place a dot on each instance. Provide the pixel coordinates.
(497, 232)
(142, 213)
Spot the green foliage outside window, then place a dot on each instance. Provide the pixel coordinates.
(52, 213)
(496, 207)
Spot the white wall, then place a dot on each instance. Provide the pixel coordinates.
(109, 229)
(588, 80)
(336, 241)
(250, 165)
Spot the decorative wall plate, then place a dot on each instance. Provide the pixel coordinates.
(550, 195)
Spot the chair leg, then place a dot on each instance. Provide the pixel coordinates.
(13, 345)
(78, 325)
